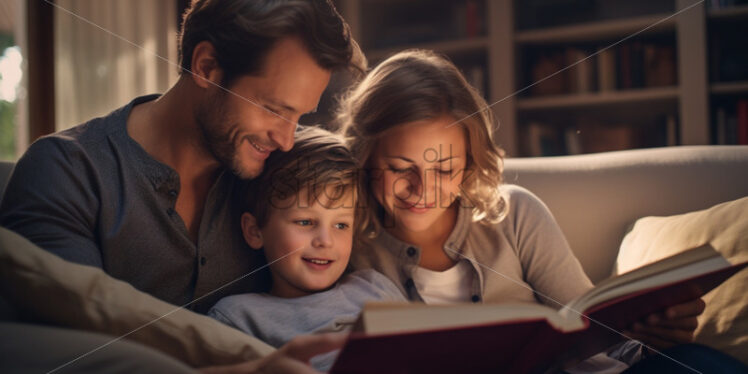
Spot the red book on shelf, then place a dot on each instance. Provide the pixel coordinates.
(472, 19)
(524, 338)
(742, 121)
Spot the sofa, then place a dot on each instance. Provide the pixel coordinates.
(596, 199)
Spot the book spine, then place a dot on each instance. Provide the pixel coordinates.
(637, 65)
(573, 143)
(731, 130)
(606, 71)
(672, 130)
(624, 66)
(472, 19)
(742, 122)
(721, 126)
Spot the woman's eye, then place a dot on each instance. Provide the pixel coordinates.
(303, 222)
(396, 170)
(446, 172)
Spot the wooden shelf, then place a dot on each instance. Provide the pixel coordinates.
(726, 88)
(598, 98)
(447, 47)
(597, 30)
(734, 12)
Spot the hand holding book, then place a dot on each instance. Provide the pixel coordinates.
(676, 325)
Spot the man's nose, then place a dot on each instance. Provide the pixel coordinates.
(283, 135)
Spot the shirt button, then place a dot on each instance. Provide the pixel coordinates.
(409, 283)
(475, 298)
(203, 260)
(411, 251)
(173, 193)
(170, 211)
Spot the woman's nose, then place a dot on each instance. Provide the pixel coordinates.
(420, 186)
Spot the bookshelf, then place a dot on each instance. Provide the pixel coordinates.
(663, 91)
(726, 24)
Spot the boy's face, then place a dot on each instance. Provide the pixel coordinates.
(306, 244)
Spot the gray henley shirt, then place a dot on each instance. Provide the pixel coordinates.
(94, 196)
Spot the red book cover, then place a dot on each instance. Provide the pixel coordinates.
(518, 345)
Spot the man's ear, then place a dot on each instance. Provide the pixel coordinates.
(250, 230)
(205, 70)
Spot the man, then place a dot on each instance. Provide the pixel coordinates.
(146, 192)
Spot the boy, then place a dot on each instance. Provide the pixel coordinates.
(304, 223)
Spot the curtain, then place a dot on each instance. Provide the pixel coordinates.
(96, 71)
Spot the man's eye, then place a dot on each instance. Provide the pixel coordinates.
(342, 226)
(303, 222)
(274, 111)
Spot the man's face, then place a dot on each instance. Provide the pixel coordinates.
(259, 115)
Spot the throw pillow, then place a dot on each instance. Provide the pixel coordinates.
(724, 323)
(48, 289)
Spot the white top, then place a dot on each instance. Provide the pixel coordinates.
(445, 287)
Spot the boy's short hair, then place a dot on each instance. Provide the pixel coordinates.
(319, 163)
(243, 32)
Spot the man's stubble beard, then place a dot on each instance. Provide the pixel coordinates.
(218, 134)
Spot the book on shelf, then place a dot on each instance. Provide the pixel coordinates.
(546, 75)
(742, 121)
(543, 139)
(606, 138)
(731, 122)
(525, 338)
(606, 70)
(581, 71)
(721, 126)
(660, 68)
(671, 129)
(573, 141)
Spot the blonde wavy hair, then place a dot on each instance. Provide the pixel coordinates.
(416, 85)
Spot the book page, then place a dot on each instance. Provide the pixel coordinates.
(644, 278)
(386, 319)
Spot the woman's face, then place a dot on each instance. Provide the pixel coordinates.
(417, 169)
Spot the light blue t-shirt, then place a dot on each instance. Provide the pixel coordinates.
(276, 320)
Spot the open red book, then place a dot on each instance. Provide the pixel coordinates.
(524, 338)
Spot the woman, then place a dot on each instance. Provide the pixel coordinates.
(441, 224)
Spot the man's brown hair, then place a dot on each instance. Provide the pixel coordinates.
(243, 31)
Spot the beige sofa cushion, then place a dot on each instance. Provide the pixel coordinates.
(49, 289)
(724, 324)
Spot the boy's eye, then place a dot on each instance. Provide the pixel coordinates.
(303, 222)
(342, 226)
